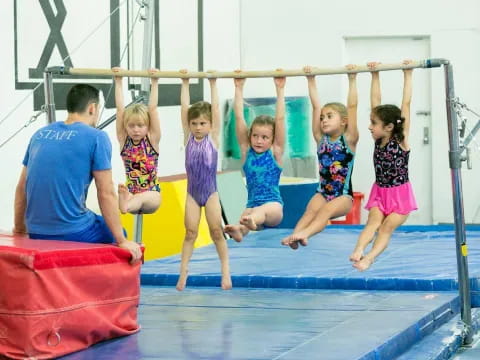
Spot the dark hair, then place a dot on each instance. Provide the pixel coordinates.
(262, 120)
(391, 114)
(80, 96)
(198, 109)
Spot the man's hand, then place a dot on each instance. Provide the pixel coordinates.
(134, 249)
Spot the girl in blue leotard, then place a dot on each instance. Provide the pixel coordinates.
(262, 149)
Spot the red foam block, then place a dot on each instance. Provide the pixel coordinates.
(57, 297)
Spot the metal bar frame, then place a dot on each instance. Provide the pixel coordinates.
(145, 87)
(455, 150)
(147, 44)
(49, 99)
(455, 161)
(472, 134)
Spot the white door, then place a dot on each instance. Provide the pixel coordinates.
(360, 50)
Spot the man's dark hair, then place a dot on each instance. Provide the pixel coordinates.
(80, 96)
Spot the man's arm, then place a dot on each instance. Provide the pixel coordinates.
(20, 204)
(107, 200)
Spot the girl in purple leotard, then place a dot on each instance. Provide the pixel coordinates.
(200, 128)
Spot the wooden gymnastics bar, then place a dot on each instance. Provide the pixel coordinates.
(60, 70)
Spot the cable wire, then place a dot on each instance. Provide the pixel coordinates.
(15, 108)
(121, 58)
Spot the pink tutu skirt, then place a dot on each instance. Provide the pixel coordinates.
(398, 199)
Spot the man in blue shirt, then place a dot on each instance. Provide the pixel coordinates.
(61, 161)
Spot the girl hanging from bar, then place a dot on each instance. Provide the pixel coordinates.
(201, 123)
(391, 197)
(138, 133)
(335, 131)
(262, 149)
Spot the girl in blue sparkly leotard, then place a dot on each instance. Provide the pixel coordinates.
(262, 150)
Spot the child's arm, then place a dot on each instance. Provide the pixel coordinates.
(316, 106)
(154, 131)
(215, 111)
(185, 103)
(240, 124)
(406, 100)
(279, 139)
(121, 133)
(375, 94)
(352, 102)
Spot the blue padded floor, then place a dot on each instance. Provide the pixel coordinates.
(304, 304)
(446, 342)
(415, 260)
(208, 323)
(472, 353)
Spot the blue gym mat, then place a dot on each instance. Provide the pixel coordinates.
(414, 260)
(304, 304)
(208, 323)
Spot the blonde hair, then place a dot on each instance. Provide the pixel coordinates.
(262, 120)
(200, 108)
(138, 110)
(340, 108)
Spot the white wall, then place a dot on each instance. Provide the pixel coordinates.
(269, 34)
(290, 34)
(221, 51)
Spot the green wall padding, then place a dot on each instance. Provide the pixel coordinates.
(297, 125)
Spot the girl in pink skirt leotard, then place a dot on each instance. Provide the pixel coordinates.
(391, 198)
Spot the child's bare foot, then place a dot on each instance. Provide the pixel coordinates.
(287, 241)
(234, 231)
(123, 198)
(299, 238)
(226, 282)
(182, 280)
(356, 255)
(363, 264)
(248, 222)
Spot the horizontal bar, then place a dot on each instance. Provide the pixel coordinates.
(428, 63)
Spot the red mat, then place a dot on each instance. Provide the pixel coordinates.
(57, 297)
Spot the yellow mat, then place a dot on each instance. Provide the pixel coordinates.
(163, 231)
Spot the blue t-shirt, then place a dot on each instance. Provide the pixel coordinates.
(60, 160)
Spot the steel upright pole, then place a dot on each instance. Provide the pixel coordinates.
(458, 212)
(49, 101)
(147, 45)
(145, 87)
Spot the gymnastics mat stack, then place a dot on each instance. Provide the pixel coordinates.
(57, 297)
